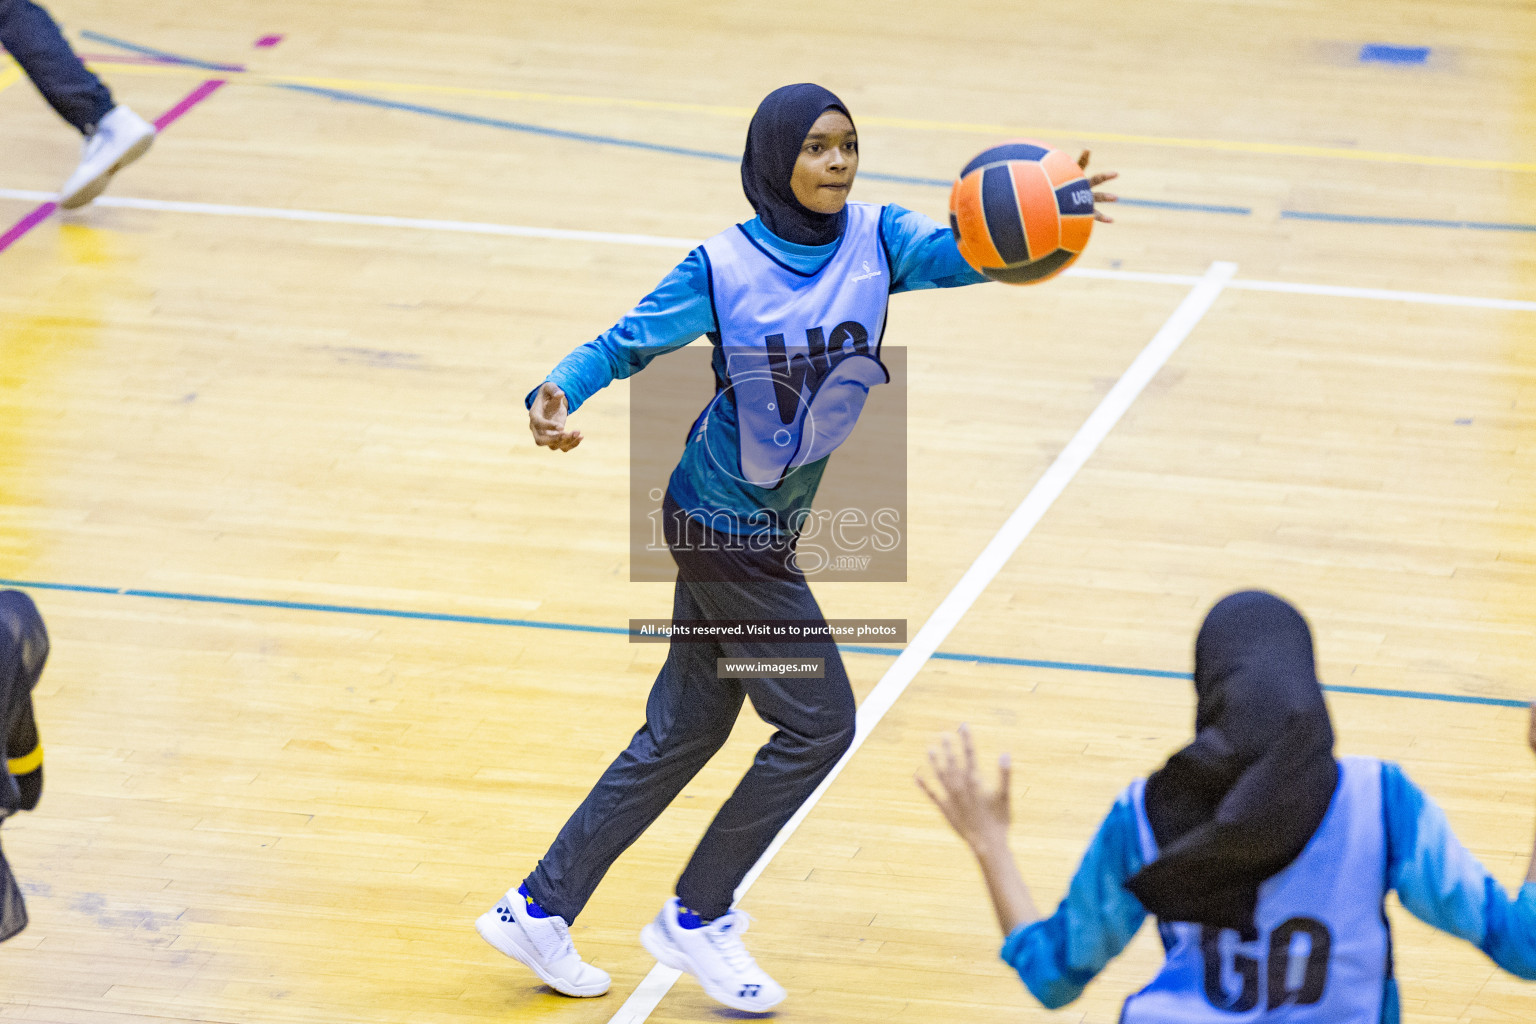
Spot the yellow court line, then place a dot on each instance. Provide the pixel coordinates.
(1215, 145)
(10, 73)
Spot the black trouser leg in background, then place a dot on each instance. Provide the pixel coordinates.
(31, 36)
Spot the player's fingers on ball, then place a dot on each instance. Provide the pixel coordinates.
(1082, 161)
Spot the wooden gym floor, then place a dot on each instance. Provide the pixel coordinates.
(261, 810)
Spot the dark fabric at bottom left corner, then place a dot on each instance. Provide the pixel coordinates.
(13, 912)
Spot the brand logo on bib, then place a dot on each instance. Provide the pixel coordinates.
(868, 273)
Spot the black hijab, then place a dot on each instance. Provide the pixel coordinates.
(1238, 804)
(774, 139)
(23, 650)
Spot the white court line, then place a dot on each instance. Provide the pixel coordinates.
(463, 227)
(664, 242)
(988, 564)
(1428, 298)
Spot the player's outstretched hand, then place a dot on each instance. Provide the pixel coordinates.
(1094, 181)
(1530, 736)
(979, 814)
(546, 418)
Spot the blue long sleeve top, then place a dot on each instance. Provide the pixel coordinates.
(1435, 877)
(922, 253)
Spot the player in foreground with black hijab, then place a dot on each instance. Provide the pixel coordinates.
(1263, 857)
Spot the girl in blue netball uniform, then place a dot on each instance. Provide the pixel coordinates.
(1264, 858)
(810, 265)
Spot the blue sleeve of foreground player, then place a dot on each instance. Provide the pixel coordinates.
(1059, 956)
(1443, 885)
(677, 312)
(922, 252)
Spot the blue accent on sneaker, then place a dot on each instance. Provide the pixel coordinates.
(688, 919)
(534, 910)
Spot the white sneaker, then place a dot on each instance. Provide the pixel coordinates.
(121, 138)
(715, 956)
(543, 944)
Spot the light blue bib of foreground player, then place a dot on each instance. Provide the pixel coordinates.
(1322, 952)
(797, 353)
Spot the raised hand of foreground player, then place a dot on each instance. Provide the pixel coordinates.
(981, 816)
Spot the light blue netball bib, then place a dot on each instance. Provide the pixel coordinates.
(800, 351)
(1323, 952)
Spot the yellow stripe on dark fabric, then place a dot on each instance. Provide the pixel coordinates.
(1002, 211)
(26, 762)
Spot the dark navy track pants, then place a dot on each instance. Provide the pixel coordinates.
(30, 36)
(689, 715)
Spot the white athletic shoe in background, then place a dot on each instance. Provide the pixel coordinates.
(542, 944)
(715, 956)
(121, 138)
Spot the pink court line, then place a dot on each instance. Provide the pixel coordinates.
(164, 121)
(188, 101)
(26, 224)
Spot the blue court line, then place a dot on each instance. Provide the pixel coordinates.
(495, 122)
(307, 606)
(97, 37)
(1413, 222)
(489, 620)
(1386, 53)
(1163, 204)
(346, 96)
(656, 147)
